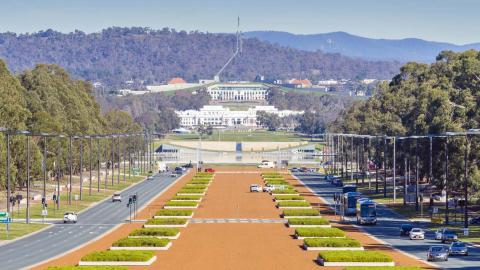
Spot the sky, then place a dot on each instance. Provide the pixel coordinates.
(454, 21)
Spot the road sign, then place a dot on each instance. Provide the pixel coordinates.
(5, 217)
(76, 197)
(7, 220)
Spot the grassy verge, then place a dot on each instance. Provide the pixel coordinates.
(19, 229)
(300, 212)
(155, 232)
(284, 191)
(382, 268)
(71, 267)
(142, 242)
(166, 221)
(331, 242)
(119, 256)
(294, 204)
(187, 197)
(307, 221)
(289, 198)
(319, 232)
(187, 203)
(354, 256)
(174, 212)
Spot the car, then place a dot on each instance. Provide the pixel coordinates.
(116, 197)
(255, 188)
(312, 170)
(188, 165)
(474, 220)
(417, 233)
(70, 217)
(449, 236)
(304, 169)
(294, 169)
(268, 188)
(209, 170)
(405, 229)
(178, 170)
(150, 177)
(458, 248)
(438, 233)
(437, 253)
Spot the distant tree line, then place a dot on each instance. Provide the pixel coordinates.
(116, 55)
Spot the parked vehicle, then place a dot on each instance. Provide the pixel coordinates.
(116, 197)
(458, 248)
(255, 188)
(417, 234)
(437, 253)
(449, 236)
(405, 229)
(209, 170)
(70, 217)
(266, 164)
(439, 233)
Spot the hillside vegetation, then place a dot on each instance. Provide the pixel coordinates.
(115, 55)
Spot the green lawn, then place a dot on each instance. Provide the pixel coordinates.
(241, 136)
(19, 229)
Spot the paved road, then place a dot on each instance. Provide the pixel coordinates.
(387, 229)
(91, 223)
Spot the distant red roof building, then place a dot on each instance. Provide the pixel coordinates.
(301, 83)
(176, 80)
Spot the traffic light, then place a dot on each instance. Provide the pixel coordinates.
(130, 201)
(134, 197)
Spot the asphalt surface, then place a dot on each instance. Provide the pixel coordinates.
(92, 223)
(387, 228)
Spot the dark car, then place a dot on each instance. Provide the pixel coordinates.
(188, 165)
(178, 170)
(337, 182)
(405, 229)
(474, 220)
(294, 169)
(449, 236)
(437, 253)
(459, 248)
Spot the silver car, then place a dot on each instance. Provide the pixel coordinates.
(459, 248)
(417, 233)
(437, 253)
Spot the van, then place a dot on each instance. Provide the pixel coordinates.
(266, 164)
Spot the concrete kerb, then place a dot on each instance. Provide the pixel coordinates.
(112, 229)
(365, 232)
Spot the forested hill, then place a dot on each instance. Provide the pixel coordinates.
(116, 54)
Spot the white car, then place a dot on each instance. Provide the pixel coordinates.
(439, 233)
(268, 188)
(70, 217)
(417, 233)
(116, 197)
(255, 188)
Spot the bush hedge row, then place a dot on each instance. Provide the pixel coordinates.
(294, 204)
(119, 256)
(187, 197)
(331, 242)
(182, 203)
(382, 268)
(307, 221)
(190, 191)
(289, 198)
(142, 242)
(174, 212)
(155, 232)
(319, 232)
(196, 187)
(166, 221)
(285, 191)
(71, 267)
(354, 256)
(300, 212)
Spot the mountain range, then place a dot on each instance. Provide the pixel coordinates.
(404, 50)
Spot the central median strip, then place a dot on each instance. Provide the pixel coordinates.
(145, 243)
(331, 244)
(354, 258)
(169, 233)
(119, 257)
(302, 233)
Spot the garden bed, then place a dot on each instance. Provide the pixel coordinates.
(331, 244)
(294, 205)
(308, 222)
(119, 257)
(169, 233)
(284, 192)
(302, 233)
(382, 268)
(191, 198)
(166, 222)
(76, 267)
(174, 213)
(300, 213)
(145, 243)
(287, 198)
(354, 258)
(180, 204)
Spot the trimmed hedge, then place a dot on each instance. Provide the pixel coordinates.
(319, 232)
(382, 268)
(307, 221)
(166, 221)
(354, 256)
(155, 232)
(196, 187)
(199, 182)
(331, 242)
(119, 256)
(170, 203)
(174, 212)
(141, 242)
(71, 267)
(191, 191)
(204, 174)
(187, 197)
(294, 204)
(289, 198)
(285, 191)
(300, 212)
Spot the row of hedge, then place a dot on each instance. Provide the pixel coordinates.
(142, 242)
(294, 204)
(331, 242)
(181, 203)
(155, 232)
(289, 198)
(300, 213)
(174, 212)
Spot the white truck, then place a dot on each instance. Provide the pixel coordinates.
(266, 164)
(161, 167)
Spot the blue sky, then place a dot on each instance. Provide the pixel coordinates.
(454, 21)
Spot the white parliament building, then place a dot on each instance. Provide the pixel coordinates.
(220, 116)
(238, 92)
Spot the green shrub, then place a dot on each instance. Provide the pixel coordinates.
(197, 187)
(285, 191)
(208, 174)
(354, 256)
(294, 204)
(300, 212)
(155, 232)
(289, 198)
(307, 221)
(71, 267)
(119, 256)
(199, 182)
(191, 191)
(186, 203)
(187, 197)
(141, 242)
(166, 221)
(319, 232)
(331, 242)
(174, 212)
(382, 268)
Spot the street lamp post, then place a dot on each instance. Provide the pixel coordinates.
(81, 169)
(27, 219)
(446, 182)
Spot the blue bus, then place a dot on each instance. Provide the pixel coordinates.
(349, 203)
(367, 213)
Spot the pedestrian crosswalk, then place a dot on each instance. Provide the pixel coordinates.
(235, 220)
